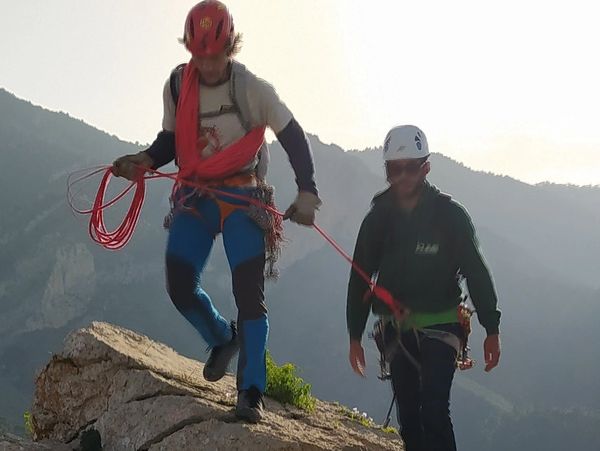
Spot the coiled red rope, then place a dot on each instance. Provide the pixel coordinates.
(118, 238)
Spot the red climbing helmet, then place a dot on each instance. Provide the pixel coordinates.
(208, 28)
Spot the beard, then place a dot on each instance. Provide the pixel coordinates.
(406, 191)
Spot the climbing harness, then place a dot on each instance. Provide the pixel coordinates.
(122, 234)
(388, 348)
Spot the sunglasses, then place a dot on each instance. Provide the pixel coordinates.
(396, 169)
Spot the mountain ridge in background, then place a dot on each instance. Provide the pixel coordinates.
(540, 241)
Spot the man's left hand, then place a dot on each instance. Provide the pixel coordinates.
(491, 352)
(302, 211)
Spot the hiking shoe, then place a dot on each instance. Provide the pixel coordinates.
(220, 356)
(250, 405)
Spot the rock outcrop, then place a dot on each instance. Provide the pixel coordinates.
(9, 442)
(131, 393)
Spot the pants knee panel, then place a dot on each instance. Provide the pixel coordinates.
(182, 283)
(248, 288)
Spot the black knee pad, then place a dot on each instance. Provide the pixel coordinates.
(248, 281)
(181, 282)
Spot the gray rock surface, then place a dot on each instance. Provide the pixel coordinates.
(141, 395)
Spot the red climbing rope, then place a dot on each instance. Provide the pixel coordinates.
(118, 238)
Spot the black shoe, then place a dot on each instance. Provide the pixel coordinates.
(220, 356)
(250, 405)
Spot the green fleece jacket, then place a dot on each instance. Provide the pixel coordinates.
(417, 256)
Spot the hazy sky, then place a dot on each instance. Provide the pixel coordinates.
(511, 87)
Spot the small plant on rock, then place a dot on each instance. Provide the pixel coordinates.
(286, 387)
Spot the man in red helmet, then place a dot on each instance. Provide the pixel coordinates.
(215, 112)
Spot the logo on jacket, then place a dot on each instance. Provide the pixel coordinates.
(427, 248)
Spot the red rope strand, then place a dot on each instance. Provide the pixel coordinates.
(118, 238)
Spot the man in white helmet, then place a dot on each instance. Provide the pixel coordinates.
(417, 242)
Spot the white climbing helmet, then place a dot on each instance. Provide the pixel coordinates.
(405, 142)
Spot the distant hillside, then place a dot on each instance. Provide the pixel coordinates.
(541, 242)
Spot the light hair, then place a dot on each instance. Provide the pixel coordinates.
(234, 47)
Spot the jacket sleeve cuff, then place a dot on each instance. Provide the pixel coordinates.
(162, 150)
(492, 330)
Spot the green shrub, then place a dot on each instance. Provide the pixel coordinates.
(286, 387)
(28, 422)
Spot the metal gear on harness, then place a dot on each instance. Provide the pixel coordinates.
(465, 313)
(388, 349)
(378, 335)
